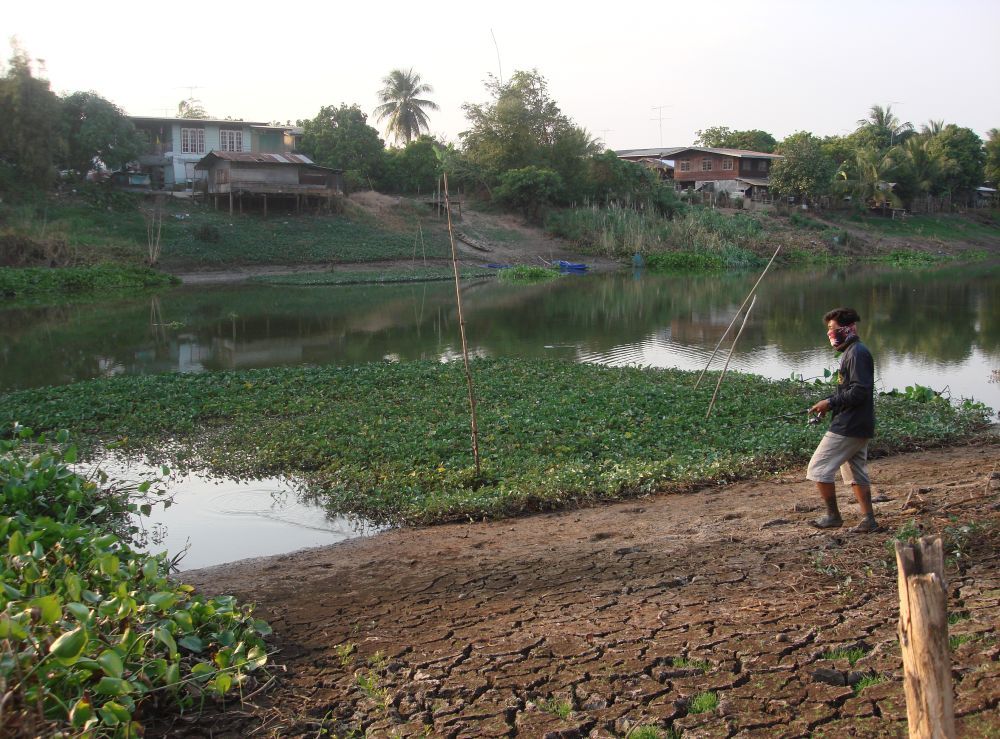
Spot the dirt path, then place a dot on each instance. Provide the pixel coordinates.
(596, 621)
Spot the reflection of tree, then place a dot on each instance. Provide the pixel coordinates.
(941, 315)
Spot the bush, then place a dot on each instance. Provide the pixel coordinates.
(208, 233)
(529, 274)
(27, 282)
(113, 632)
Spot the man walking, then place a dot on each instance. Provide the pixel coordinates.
(845, 445)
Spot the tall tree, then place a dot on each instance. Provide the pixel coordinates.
(722, 137)
(191, 108)
(340, 137)
(965, 149)
(871, 185)
(522, 126)
(882, 130)
(402, 106)
(920, 167)
(992, 169)
(932, 128)
(31, 138)
(97, 130)
(805, 170)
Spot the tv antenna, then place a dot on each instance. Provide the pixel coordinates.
(659, 117)
(604, 137)
(190, 89)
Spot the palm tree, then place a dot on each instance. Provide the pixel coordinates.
(884, 127)
(932, 127)
(400, 104)
(920, 166)
(871, 185)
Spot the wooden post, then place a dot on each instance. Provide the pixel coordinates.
(923, 639)
(230, 202)
(265, 205)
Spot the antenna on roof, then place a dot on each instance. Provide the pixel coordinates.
(659, 109)
(190, 89)
(604, 138)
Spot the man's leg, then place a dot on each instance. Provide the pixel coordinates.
(863, 494)
(832, 519)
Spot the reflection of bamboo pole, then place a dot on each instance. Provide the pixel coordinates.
(729, 328)
(731, 350)
(461, 327)
(923, 639)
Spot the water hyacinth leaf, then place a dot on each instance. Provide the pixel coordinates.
(113, 686)
(70, 645)
(223, 681)
(16, 544)
(37, 550)
(166, 638)
(73, 585)
(10, 591)
(256, 658)
(146, 509)
(108, 564)
(81, 714)
(173, 673)
(162, 600)
(105, 541)
(49, 607)
(203, 669)
(262, 627)
(183, 620)
(111, 662)
(69, 455)
(191, 643)
(151, 569)
(114, 714)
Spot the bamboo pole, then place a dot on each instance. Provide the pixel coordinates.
(731, 350)
(461, 326)
(923, 639)
(730, 326)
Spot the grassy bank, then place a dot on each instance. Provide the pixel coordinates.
(391, 441)
(94, 634)
(47, 283)
(86, 229)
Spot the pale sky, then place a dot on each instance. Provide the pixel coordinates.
(778, 65)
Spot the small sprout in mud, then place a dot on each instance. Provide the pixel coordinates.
(696, 664)
(851, 655)
(957, 640)
(650, 731)
(344, 652)
(378, 661)
(954, 618)
(558, 708)
(822, 566)
(703, 702)
(369, 683)
(867, 681)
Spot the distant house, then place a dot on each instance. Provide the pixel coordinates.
(734, 171)
(175, 145)
(289, 177)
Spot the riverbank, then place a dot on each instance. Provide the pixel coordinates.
(596, 621)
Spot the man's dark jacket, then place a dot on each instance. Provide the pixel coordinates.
(853, 404)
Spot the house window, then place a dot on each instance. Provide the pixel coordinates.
(685, 165)
(762, 165)
(231, 140)
(193, 140)
(727, 163)
(746, 165)
(706, 165)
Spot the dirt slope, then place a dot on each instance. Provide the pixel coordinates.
(595, 621)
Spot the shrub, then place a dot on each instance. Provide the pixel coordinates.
(208, 233)
(528, 274)
(529, 189)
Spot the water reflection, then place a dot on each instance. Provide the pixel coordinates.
(217, 520)
(937, 328)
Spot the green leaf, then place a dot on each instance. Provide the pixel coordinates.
(108, 564)
(16, 544)
(262, 627)
(192, 643)
(81, 713)
(70, 645)
(111, 662)
(223, 681)
(167, 639)
(183, 620)
(114, 714)
(69, 455)
(113, 686)
(162, 600)
(173, 675)
(256, 658)
(72, 584)
(50, 607)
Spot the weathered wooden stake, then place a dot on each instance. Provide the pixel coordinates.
(461, 327)
(729, 358)
(923, 639)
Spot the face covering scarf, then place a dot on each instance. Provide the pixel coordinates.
(840, 336)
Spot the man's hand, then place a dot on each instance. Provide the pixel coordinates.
(821, 407)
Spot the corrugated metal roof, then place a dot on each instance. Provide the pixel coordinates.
(756, 182)
(669, 152)
(247, 157)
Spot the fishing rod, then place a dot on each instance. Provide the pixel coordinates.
(812, 420)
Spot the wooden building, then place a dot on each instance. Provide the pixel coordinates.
(238, 176)
(735, 171)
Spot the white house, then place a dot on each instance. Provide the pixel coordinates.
(176, 145)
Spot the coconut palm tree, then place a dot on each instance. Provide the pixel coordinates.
(884, 128)
(920, 167)
(402, 106)
(932, 127)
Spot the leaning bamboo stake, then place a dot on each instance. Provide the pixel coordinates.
(731, 350)
(730, 326)
(461, 327)
(923, 639)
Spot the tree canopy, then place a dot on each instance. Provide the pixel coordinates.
(402, 106)
(805, 170)
(97, 130)
(340, 137)
(191, 108)
(722, 137)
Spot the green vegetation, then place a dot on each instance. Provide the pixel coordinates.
(944, 227)
(384, 277)
(557, 707)
(92, 632)
(402, 106)
(651, 731)
(61, 282)
(868, 681)
(957, 640)
(552, 434)
(682, 662)
(529, 274)
(852, 655)
(703, 702)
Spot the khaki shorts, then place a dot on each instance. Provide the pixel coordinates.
(848, 453)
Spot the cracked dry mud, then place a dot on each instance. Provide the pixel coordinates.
(593, 622)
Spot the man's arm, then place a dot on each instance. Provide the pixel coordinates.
(859, 370)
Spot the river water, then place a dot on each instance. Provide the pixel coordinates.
(938, 328)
